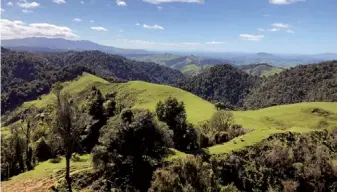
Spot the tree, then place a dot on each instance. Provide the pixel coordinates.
(130, 149)
(171, 111)
(173, 114)
(222, 120)
(67, 124)
(26, 131)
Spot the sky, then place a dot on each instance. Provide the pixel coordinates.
(274, 26)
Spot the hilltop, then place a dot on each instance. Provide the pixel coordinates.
(25, 75)
(260, 70)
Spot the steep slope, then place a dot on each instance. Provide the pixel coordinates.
(223, 83)
(260, 70)
(315, 82)
(25, 76)
(49, 44)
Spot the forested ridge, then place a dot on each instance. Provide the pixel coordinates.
(25, 76)
(234, 88)
(221, 83)
(304, 83)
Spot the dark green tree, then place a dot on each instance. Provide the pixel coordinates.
(130, 150)
(173, 114)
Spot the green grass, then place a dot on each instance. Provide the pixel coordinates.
(146, 95)
(46, 168)
(265, 122)
(74, 88)
(272, 72)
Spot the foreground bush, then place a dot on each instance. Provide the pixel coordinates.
(186, 174)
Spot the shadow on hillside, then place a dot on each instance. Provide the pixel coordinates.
(203, 153)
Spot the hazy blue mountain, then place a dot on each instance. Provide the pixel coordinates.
(49, 44)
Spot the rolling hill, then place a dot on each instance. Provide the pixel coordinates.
(25, 75)
(260, 70)
(304, 83)
(221, 83)
(190, 64)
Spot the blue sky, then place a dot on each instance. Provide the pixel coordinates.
(277, 26)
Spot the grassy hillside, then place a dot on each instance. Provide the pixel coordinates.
(260, 70)
(301, 117)
(136, 94)
(44, 175)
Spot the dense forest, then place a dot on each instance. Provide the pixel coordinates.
(25, 76)
(221, 83)
(234, 88)
(315, 82)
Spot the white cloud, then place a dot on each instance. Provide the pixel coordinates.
(153, 27)
(82, 2)
(260, 29)
(27, 5)
(190, 43)
(251, 37)
(137, 24)
(284, 2)
(59, 1)
(99, 28)
(27, 11)
(77, 19)
(281, 25)
(18, 29)
(140, 42)
(91, 21)
(2, 10)
(173, 1)
(121, 3)
(214, 42)
(159, 8)
(121, 31)
(290, 31)
(9, 3)
(274, 29)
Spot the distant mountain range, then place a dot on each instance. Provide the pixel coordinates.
(42, 44)
(189, 62)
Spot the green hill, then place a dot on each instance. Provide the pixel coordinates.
(136, 94)
(300, 117)
(261, 69)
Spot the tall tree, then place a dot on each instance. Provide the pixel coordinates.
(130, 150)
(173, 113)
(66, 126)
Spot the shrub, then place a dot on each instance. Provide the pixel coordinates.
(43, 151)
(185, 174)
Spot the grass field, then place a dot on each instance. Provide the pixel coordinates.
(43, 176)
